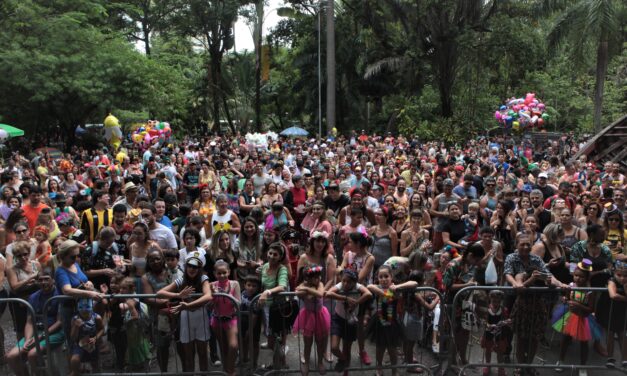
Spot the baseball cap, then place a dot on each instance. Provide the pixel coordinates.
(448, 182)
(543, 175)
(194, 260)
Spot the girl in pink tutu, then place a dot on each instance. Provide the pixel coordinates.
(573, 317)
(313, 320)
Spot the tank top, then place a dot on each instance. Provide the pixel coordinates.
(560, 272)
(570, 240)
(443, 203)
(356, 263)
(381, 249)
(22, 275)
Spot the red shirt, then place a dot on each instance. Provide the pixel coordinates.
(31, 213)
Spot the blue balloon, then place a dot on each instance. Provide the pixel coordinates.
(503, 108)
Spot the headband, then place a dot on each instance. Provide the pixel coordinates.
(313, 269)
(320, 234)
(43, 229)
(621, 265)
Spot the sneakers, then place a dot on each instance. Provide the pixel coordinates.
(558, 369)
(365, 359)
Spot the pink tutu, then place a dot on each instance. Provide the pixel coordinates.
(313, 323)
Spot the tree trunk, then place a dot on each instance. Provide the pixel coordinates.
(258, 44)
(601, 71)
(446, 60)
(330, 65)
(227, 113)
(215, 94)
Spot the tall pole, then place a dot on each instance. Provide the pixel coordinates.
(258, 46)
(319, 70)
(330, 65)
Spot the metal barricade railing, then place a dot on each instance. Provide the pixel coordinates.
(361, 368)
(140, 297)
(527, 302)
(40, 363)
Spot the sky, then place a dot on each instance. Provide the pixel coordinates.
(243, 32)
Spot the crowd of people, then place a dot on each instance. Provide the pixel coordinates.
(351, 225)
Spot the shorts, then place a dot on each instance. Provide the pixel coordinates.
(194, 325)
(54, 338)
(340, 327)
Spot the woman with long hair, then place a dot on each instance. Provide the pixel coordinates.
(553, 253)
(270, 196)
(248, 249)
(572, 233)
(414, 238)
(221, 249)
(317, 253)
(194, 325)
(417, 201)
(385, 238)
(615, 234)
(591, 214)
(504, 224)
(138, 245)
(205, 203)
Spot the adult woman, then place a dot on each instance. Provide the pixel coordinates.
(616, 234)
(418, 202)
(232, 195)
(221, 250)
(357, 201)
(279, 218)
(274, 280)
(156, 278)
(524, 209)
(320, 223)
(453, 229)
(70, 280)
(460, 274)
(248, 249)
(270, 196)
(11, 203)
(295, 200)
(414, 238)
(139, 242)
(531, 310)
(270, 236)
(205, 203)
(385, 239)
(224, 219)
(207, 176)
(22, 278)
(401, 220)
(248, 199)
(194, 325)
(591, 214)
(572, 233)
(310, 219)
(504, 225)
(531, 226)
(8, 234)
(553, 253)
(317, 253)
(53, 188)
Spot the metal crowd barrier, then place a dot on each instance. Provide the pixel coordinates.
(356, 369)
(549, 296)
(32, 314)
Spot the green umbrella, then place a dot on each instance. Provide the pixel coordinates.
(12, 131)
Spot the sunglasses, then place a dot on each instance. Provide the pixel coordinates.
(21, 231)
(193, 266)
(74, 257)
(613, 219)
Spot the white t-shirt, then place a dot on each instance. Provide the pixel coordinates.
(163, 236)
(354, 293)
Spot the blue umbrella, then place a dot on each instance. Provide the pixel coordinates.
(294, 132)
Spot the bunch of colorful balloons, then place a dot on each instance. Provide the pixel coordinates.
(522, 113)
(152, 132)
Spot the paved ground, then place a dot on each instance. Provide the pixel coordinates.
(545, 356)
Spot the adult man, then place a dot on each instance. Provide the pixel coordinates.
(170, 173)
(122, 228)
(159, 204)
(542, 215)
(563, 193)
(130, 191)
(401, 193)
(466, 191)
(158, 232)
(618, 195)
(334, 200)
(357, 179)
(93, 219)
(259, 179)
(439, 211)
(190, 182)
(97, 260)
(541, 184)
(34, 206)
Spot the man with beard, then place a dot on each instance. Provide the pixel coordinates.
(401, 193)
(334, 200)
(130, 191)
(563, 193)
(158, 232)
(122, 228)
(542, 186)
(95, 218)
(542, 215)
(34, 206)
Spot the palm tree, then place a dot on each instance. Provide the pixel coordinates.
(596, 23)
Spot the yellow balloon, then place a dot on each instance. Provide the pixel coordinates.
(116, 144)
(111, 121)
(120, 156)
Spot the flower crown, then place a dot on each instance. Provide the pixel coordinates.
(313, 269)
(317, 234)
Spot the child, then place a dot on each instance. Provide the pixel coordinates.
(355, 225)
(251, 323)
(384, 329)
(412, 319)
(44, 250)
(350, 295)
(116, 332)
(172, 264)
(223, 317)
(471, 223)
(617, 324)
(135, 318)
(496, 335)
(573, 318)
(87, 329)
(313, 319)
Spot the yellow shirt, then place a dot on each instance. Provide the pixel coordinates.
(615, 243)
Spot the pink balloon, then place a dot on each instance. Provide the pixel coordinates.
(497, 115)
(541, 106)
(516, 108)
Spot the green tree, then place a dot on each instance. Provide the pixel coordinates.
(591, 23)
